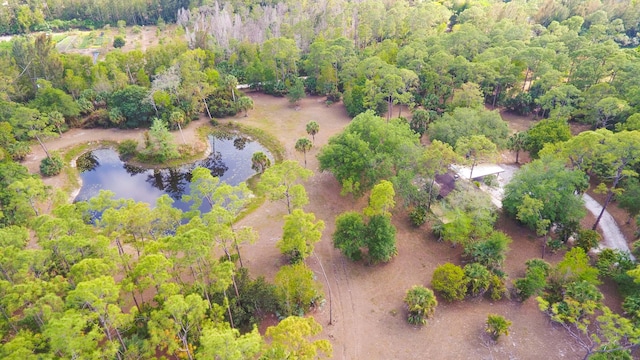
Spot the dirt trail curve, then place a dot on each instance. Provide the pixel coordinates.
(613, 237)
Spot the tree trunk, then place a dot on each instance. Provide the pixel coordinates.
(526, 75)
(517, 156)
(43, 147)
(604, 207)
(305, 159)
(235, 243)
(224, 292)
(206, 106)
(181, 134)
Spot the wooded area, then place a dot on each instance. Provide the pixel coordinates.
(112, 278)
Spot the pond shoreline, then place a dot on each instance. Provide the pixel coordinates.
(227, 155)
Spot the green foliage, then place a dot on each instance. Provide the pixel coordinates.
(535, 279)
(629, 198)
(297, 289)
(295, 92)
(381, 201)
(490, 252)
(575, 267)
(223, 342)
(257, 298)
(468, 122)
(367, 151)
(131, 105)
(281, 182)
(381, 239)
(497, 288)
(476, 149)
(303, 145)
(614, 264)
(291, 339)
(418, 216)
(420, 120)
(159, 146)
(479, 278)
(547, 131)
(497, 325)
(119, 42)
(260, 162)
(421, 303)
(543, 193)
(127, 148)
(587, 239)
(312, 129)
(450, 281)
(300, 233)
(349, 236)
(51, 166)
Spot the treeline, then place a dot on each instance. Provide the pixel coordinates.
(20, 17)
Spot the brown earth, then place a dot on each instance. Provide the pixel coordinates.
(365, 302)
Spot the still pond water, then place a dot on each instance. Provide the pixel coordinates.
(102, 169)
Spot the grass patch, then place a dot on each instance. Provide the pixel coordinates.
(6, 45)
(87, 40)
(72, 175)
(59, 37)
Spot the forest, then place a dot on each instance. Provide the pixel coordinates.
(424, 85)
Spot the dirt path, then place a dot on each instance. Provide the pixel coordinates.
(613, 236)
(76, 137)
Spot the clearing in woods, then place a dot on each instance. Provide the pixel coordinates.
(369, 319)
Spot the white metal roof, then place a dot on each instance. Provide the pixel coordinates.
(479, 170)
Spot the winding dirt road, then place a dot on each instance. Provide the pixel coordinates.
(612, 236)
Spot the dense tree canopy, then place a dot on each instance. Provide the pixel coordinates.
(367, 151)
(543, 193)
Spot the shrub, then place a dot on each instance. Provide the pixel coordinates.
(51, 166)
(418, 216)
(497, 325)
(497, 288)
(490, 252)
(136, 29)
(450, 281)
(587, 239)
(631, 307)
(118, 42)
(127, 148)
(334, 96)
(535, 279)
(421, 303)
(479, 278)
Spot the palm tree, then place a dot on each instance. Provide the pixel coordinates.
(312, 129)
(421, 303)
(177, 117)
(245, 103)
(517, 142)
(303, 145)
(260, 162)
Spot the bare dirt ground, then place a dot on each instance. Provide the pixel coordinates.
(369, 320)
(366, 301)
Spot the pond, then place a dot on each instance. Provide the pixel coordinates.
(102, 169)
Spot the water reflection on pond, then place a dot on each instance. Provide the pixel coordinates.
(102, 169)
